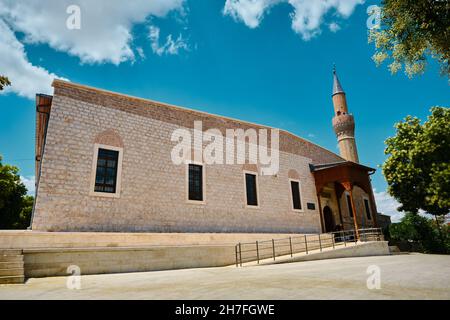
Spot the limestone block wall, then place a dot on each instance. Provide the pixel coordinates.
(358, 198)
(153, 189)
(27, 239)
(55, 262)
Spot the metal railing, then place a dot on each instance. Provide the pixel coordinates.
(270, 249)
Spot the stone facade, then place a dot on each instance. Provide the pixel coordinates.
(153, 190)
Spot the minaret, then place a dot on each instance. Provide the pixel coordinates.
(343, 123)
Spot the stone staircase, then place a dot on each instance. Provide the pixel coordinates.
(11, 266)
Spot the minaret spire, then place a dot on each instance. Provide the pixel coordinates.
(343, 122)
(337, 87)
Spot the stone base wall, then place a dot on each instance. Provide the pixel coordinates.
(51, 240)
(55, 262)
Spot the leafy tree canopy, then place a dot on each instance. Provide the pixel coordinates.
(15, 205)
(417, 169)
(4, 81)
(410, 30)
(423, 231)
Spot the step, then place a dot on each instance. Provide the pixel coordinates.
(12, 279)
(10, 252)
(11, 265)
(11, 272)
(17, 258)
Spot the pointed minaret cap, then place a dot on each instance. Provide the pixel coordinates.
(337, 88)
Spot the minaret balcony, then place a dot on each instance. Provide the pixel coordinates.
(343, 123)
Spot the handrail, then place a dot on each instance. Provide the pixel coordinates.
(258, 250)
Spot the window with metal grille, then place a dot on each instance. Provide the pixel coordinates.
(366, 205)
(349, 205)
(250, 184)
(296, 197)
(195, 182)
(106, 174)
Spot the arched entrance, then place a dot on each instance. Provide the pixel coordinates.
(328, 219)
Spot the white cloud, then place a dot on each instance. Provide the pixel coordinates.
(105, 34)
(29, 183)
(140, 52)
(307, 15)
(250, 12)
(334, 27)
(387, 205)
(104, 37)
(169, 47)
(26, 79)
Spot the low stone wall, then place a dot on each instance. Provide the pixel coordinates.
(361, 249)
(25, 239)
(283, 246)
(51, 253)
(55, 262)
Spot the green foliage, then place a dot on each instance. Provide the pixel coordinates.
(418, 167)
(4, 81)
(24, 217)
(15, 205)
(411, 30)
(425, 232)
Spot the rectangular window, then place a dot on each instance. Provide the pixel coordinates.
(195, 182)
(250, 185)
(349, 204)
(366, 205)
(106, 172)
(296, 198)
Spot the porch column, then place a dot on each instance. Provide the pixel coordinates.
(354, 213)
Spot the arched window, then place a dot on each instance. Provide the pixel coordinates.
(367, 208)
(349, 204)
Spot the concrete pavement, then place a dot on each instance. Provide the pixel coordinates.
(413, 276)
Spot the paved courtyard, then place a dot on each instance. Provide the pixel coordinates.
(413, 276)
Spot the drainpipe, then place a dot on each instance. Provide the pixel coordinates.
(41, 155)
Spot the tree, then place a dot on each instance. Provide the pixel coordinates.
(410, 31)
(417, 169)
(414, 228)
(15, 205)
(4, 81)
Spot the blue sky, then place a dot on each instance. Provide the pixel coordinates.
(255, 61)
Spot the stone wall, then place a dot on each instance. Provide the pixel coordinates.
(55, 262)
(153, 189)
(28, 239)
(361, 219)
